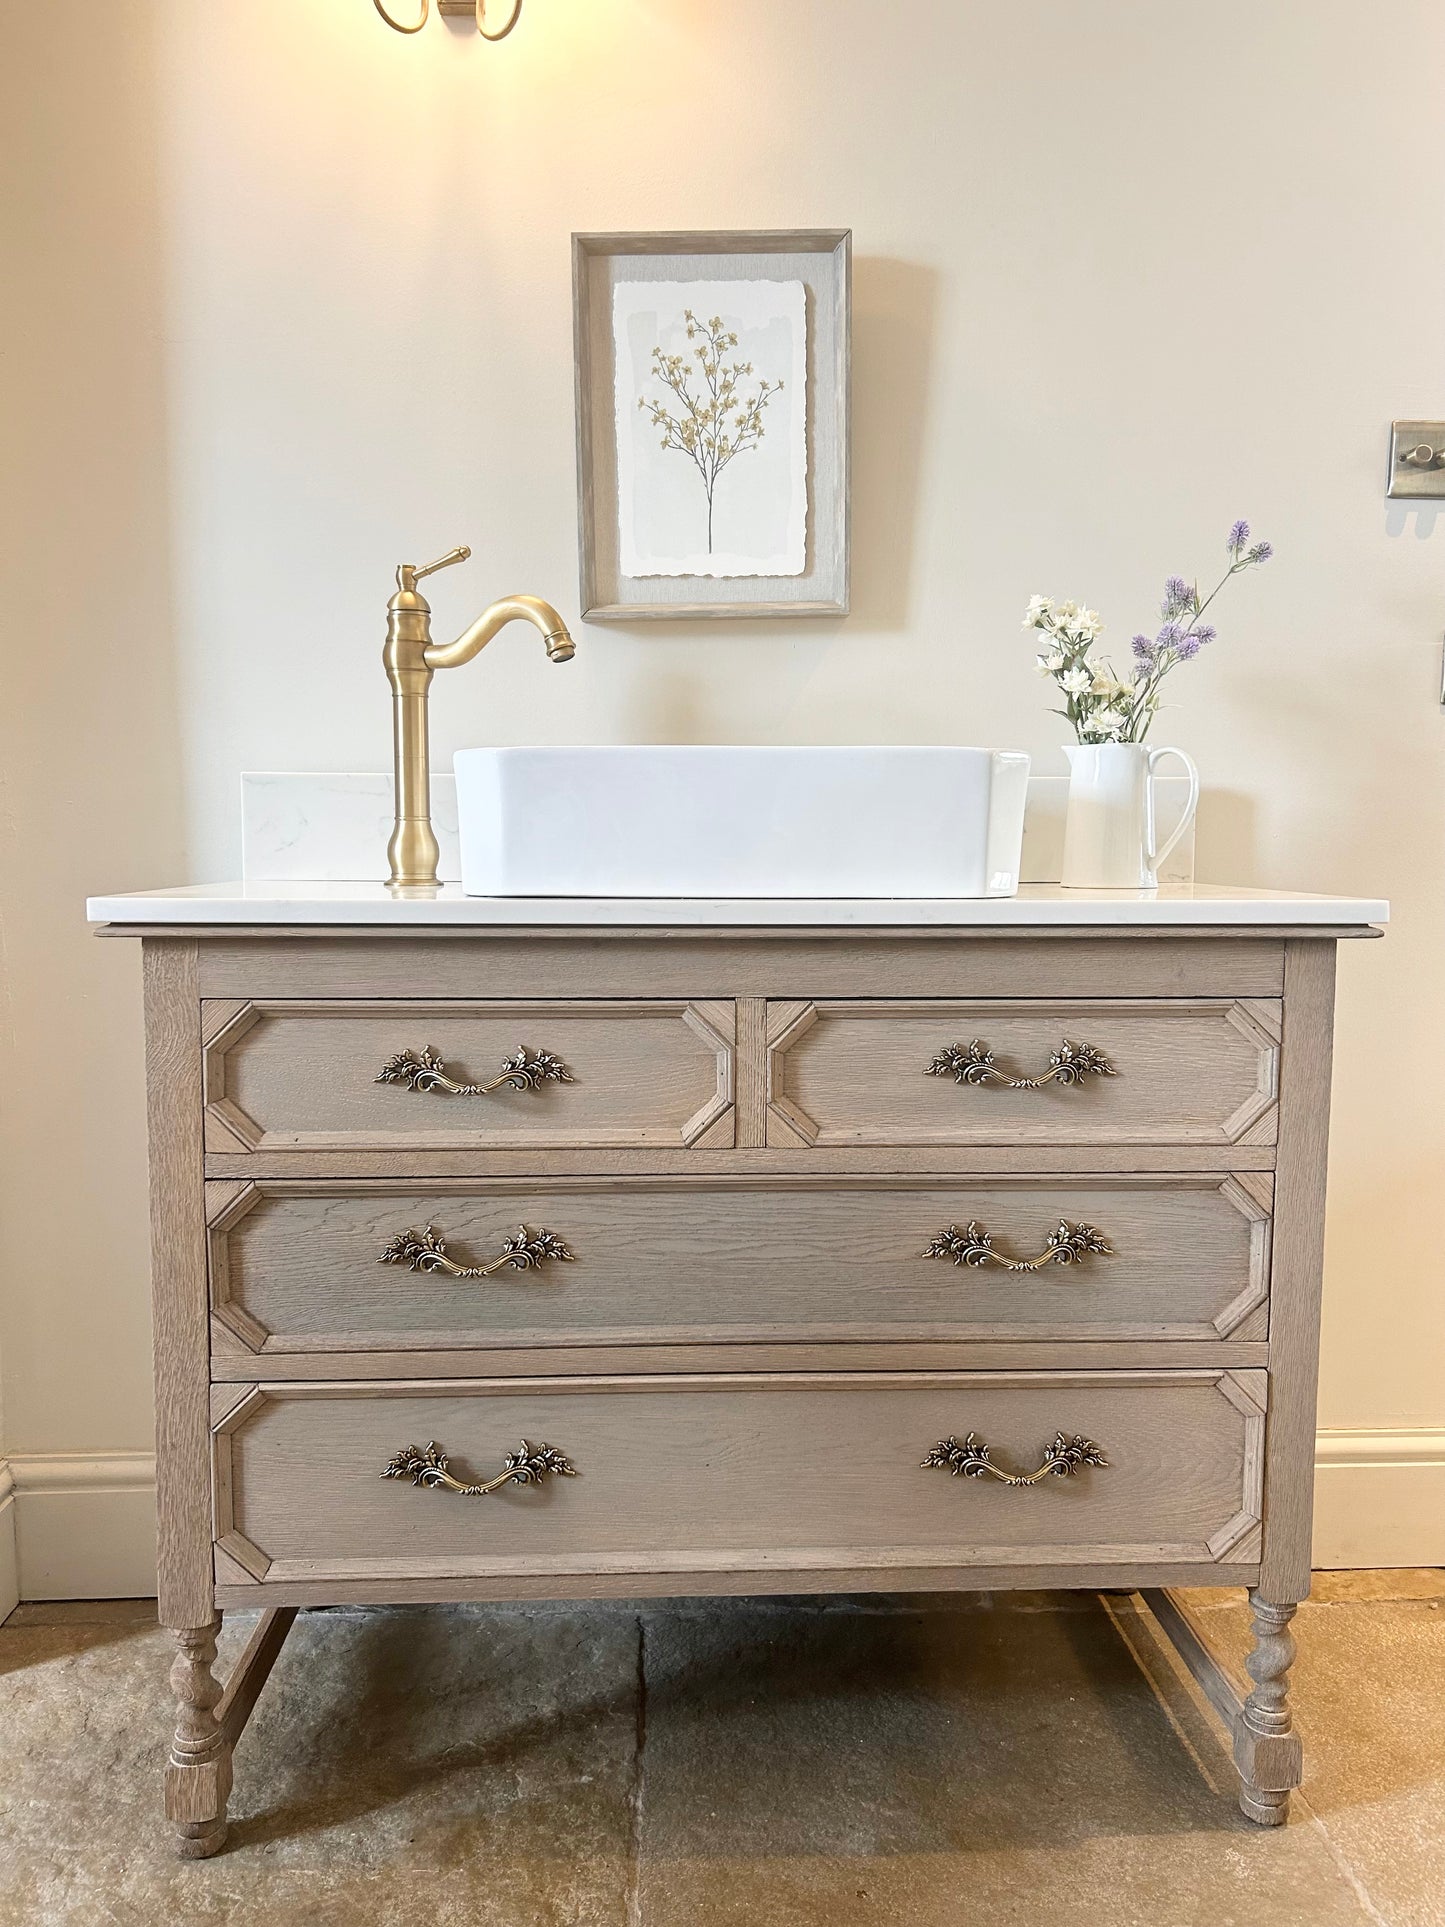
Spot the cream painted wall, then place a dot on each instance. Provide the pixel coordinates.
(287, 299)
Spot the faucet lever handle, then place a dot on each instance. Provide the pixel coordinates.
(408, 575)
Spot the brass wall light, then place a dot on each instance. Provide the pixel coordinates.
(495, 18)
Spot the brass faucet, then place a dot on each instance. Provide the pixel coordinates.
(411, 658)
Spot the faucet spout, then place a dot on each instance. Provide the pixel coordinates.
(411, 659)
(511, 608)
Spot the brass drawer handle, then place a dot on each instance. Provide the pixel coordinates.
(425, 1070)
(1067, 1244)
(973, 1064)
(1061, 1459)
(528, 1465)
(525, 1250)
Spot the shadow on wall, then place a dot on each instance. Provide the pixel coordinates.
(672, 707)
(1226, 839)
(92, 752)
(894, 317)
(895, 307)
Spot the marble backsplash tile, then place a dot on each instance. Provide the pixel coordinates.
(308, 827)
(302, 827)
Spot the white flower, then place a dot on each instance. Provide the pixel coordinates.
(1039, 607)
(1051, 663)
(1076, 680)
(1108, 722)
(1066, 612)
(1105, 683)
(1084, 625)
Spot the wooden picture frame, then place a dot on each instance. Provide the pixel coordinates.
(822, 260)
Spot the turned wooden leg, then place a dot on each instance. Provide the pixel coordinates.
(1267, 1749)
(198, 1778)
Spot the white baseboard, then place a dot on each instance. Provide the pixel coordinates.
(9, 1565)
(83, 1527)
(1379, 1499)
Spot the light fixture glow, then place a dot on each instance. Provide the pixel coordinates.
(487, 13)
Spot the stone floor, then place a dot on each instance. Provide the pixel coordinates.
(1001, 1760)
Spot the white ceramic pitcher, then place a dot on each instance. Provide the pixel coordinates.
(1109, 837)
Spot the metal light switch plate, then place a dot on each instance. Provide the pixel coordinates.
(1417, 460)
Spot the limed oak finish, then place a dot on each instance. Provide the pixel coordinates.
(515, 1263)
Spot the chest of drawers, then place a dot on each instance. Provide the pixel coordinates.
(514, 1263)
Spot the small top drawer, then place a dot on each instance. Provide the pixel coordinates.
(439, 1075)
(1137, 1071)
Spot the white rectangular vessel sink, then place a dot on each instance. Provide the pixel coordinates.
(718, 822)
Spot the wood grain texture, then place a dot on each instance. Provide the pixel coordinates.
(198, 1776)
(252, 1670)
(695, 1476)
(178, 1285)
(684, 964)
(298, 1267)
(232, 1361)
(1189, 1071)
(752, 1072)
(302, 1075)
(1303, 1158)
(738, 1582)
(975, 1160)
(748, 1357)
(1267, 1751)
(1188, 1639)
(230, 1574)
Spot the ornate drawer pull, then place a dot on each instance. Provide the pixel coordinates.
(1068, 1244)
(1070, 1064)
(528, 1465)
(425, 1070)
(525, 1250)
(1061, 1459)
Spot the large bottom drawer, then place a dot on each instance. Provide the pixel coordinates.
(806, 1473)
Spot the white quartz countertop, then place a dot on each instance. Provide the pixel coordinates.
(1037, 905)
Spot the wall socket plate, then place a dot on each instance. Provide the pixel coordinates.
(1417, 461)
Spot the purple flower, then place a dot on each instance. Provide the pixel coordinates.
(1261, 552)
(1204, 633)
(1169, 636)
(1187, 647)
(1238, 536)
(1145, 651)
(1178, 596)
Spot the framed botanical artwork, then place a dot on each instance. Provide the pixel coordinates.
(712, 423)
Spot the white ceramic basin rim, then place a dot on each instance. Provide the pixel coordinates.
(713, 821)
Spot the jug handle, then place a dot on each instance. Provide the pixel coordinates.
(1156, 756)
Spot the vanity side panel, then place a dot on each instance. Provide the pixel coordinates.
(1299, 1235)
(178, 1283)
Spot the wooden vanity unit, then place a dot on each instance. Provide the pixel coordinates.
(644, 1249)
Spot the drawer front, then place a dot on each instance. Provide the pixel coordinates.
(713, 1475)
(313, 1266)
(366, 1076)
(1157, 1071)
